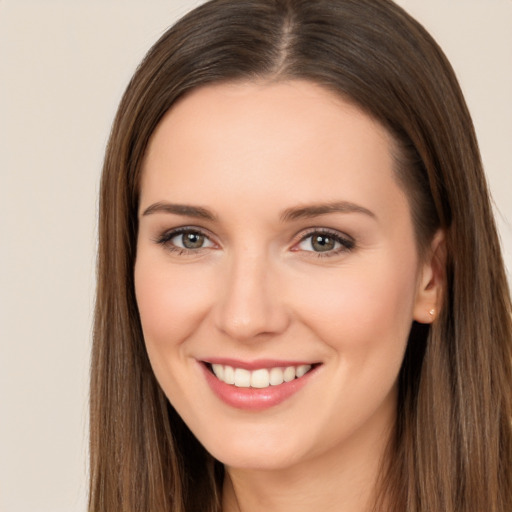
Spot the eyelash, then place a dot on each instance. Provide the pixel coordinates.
(166, 237)
(347, 244)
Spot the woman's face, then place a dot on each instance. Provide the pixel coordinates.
(276, 248)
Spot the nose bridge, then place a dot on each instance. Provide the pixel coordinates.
(249, 304)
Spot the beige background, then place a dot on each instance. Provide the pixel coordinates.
(63, 67)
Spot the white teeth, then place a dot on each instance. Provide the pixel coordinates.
(261, 378)
(242, 378)
(289, 374)
(229, 375)
(276, 376)
(302, 370)
(218, 370)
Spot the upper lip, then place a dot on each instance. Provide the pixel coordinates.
(255, 364)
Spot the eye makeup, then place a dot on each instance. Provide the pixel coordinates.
(324, 242)
(319, 241)
(186, 240)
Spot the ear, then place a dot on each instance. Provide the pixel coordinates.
(431, 281)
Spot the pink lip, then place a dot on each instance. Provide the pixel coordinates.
(253, 399)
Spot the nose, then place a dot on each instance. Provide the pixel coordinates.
(250, 305)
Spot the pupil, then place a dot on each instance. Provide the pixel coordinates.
(193, 240)
(322, 243)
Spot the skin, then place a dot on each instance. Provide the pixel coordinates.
(257, 288)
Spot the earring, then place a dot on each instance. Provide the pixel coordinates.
(432, 312)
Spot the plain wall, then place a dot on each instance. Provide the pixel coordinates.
(63, 67)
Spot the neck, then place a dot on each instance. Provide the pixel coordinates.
(343, 480)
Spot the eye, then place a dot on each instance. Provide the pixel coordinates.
(190, 240)
(325, 243)
(185, 239)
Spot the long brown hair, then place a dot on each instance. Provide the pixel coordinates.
(452, 448)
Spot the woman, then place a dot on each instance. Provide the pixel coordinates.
(301, 298)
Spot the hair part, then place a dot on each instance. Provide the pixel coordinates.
(452, 446)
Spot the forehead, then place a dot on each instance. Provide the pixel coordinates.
(291, 140)
(279, 111)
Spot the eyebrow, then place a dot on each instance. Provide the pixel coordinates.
(314, 210)
(180, 209)
(295, 213)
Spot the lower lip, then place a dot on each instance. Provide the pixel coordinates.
(254, 399)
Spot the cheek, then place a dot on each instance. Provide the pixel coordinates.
(362, 306)
(171, 302)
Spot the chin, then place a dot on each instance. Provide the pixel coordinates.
(260, 449)
(257, 459)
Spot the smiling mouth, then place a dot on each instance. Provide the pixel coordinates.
(260, 378)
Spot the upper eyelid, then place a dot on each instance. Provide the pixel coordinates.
(181, 229)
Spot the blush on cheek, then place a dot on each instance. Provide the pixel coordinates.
(170, 305)
(361, 307)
